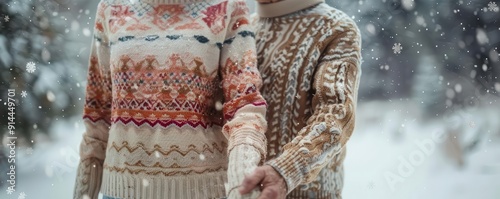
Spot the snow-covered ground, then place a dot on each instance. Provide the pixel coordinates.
(391, 155)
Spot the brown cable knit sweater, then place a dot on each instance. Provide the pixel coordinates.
(309, 57)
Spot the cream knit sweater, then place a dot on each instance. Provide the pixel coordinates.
(159, 71)
(309, 58)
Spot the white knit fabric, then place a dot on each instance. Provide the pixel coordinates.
(243, 159)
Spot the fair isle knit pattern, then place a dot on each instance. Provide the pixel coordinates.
(158, 69)
(310, 63)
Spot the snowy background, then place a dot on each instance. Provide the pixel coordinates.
(428, 118)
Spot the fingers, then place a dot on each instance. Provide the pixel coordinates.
(251, 181)
(269, 193)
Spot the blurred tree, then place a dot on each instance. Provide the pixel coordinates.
(47, 34)
(461, 36)
(449, 59)
(428, 89)
(33, 33)
(470, 39)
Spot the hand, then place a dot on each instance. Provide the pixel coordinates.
(272, 183)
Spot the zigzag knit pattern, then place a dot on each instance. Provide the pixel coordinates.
(157, 70)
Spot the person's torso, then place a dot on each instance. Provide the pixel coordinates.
(289, 50)
(164, 65)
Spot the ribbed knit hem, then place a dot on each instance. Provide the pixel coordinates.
(248, 137)
(331, 188)
(300, 194)
(125, 185)
(284, 7)
(327, 191)
(291, 166)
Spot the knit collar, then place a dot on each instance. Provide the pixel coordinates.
(171, 1)
(284, 7)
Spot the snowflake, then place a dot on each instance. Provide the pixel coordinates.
(22, 195)
(9, 191)
(30, 67)
(29, 151)
(397, 48)
(6, 18)
(24, 94)
(371, 185)
(492, 6)
(218, 105)
(472, 124)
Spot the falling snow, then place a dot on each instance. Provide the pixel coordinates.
(418, 22)
(22, 195)
(86, 32)
(29, 150)
(145, 182)
(397, 48)
(493, 7)
(218, 106)
(371, 185)
(30, 67)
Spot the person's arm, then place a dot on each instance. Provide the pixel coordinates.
(335, 87)
(245, 108)
(96, 113)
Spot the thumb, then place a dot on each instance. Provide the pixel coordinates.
(251, 181)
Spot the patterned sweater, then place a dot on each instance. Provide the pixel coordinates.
(158, 74)
(309, 57)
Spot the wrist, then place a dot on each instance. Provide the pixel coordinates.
(276, 172)
(243, 159)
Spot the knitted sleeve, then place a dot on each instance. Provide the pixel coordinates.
(334, 100)
(96, 114)
(245, 108)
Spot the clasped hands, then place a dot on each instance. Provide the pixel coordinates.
(271, 183)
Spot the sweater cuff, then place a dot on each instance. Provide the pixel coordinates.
(249, 137)
(243, 160)
(88, 179)
(292, 167)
